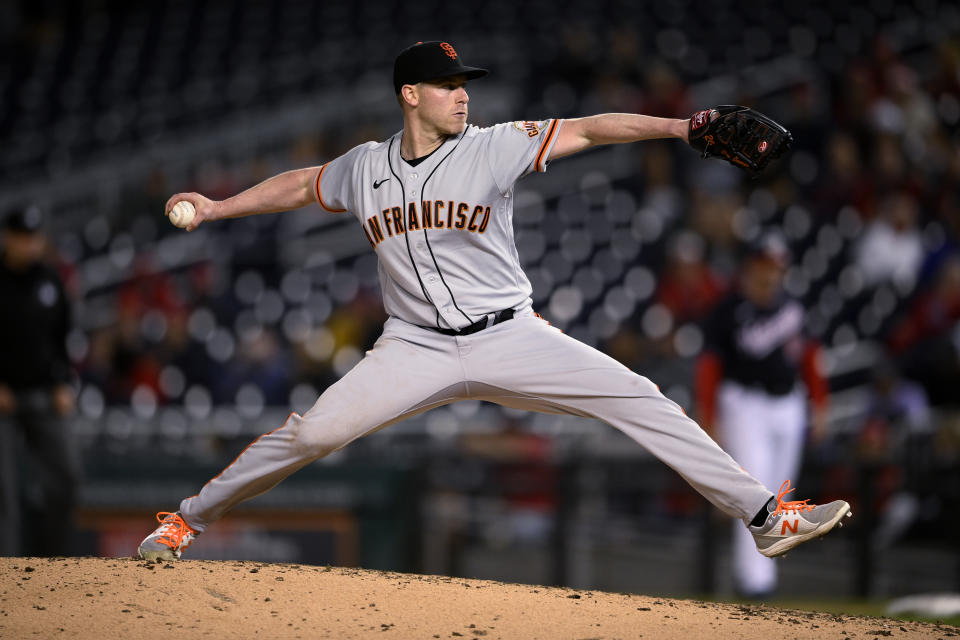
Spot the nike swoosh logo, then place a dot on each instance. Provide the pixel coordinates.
(377, 183)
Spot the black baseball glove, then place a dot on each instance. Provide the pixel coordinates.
(740, 135)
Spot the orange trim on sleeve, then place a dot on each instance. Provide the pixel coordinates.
(540, 166)
(316, 188)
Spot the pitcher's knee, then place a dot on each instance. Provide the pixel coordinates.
(315, 441)
(319, 438)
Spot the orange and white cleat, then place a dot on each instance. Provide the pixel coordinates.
(169, 540)
(795, 522)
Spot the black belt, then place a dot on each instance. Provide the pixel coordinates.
(479, 325)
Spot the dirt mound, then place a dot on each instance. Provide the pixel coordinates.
(124, 598)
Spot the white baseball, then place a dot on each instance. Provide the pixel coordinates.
(182, 213)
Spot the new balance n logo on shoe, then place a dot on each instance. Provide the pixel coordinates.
(787, 525)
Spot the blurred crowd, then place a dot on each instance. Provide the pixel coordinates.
(868, 201)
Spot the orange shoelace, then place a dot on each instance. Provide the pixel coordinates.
(173, 529)
(795, 505)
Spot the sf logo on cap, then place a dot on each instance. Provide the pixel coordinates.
(449, 50)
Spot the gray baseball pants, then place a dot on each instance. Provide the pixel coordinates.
(523, 363)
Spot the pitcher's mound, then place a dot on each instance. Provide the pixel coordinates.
(101, 598)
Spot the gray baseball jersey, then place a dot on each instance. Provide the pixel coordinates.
(443, 229)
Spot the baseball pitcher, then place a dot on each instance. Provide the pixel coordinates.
(435, 202)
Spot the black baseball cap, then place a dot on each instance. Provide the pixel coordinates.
(27, 220)
(430, 61)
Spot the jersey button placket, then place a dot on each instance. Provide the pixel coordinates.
(427, 266)
(431, 279)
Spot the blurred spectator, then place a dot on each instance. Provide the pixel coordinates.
(665, 94)
(712, 215)
(897, 408)
(845, 183)
(895, 441)
(749, 393)
(891, 248)
(905, 110)
(35, 395)
(661, 193)
(926, 339)
(132, 363)
(947, 226)
(260, 363)
(688, 287)
(890, 170)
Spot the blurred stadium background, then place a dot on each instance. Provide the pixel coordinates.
(187, 346)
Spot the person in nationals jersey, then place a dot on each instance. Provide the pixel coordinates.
(753, 382)
(435, 201)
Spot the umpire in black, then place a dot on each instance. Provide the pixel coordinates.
(35, 395)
